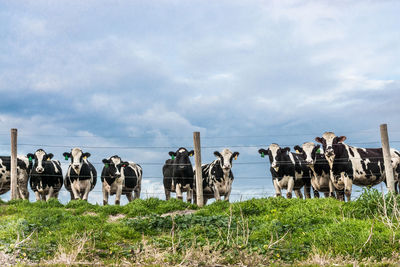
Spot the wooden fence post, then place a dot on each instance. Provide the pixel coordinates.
(387, 158)
(13, 172)
(199, 176)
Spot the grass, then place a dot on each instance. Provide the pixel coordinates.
(255, 232)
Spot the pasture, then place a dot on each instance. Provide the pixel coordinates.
(155, 232)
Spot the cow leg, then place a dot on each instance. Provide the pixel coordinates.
(340, 194)
(348, 183)
(331, 189)
(217, 196)
(290, 187)
(189, 195)
(278, 191)
(85, 195)
(129, 196)
(50, 194)
(228, 194)
(118, 195)
(74, 191)
(136, 193)
(316, 193)
(298, 193)
(37, 196)
(178, 191)
(307, 190)
(167, 194)
(23, 186)
(105, 196)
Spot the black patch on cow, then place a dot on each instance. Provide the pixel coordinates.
(178, 170)
(49, 177)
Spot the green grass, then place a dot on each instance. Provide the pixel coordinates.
(257, 231)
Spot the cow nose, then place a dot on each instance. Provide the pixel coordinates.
(76, 166)
(39, 169)
(309, 162)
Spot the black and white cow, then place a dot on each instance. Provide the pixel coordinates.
(178, 174)
(22, 175)
(288, 171)
(120, 177)
(218, 176)
(316, 161)
(351, 165)
(81, 175)
(46, 177)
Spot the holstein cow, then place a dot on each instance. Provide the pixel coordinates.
(178, 174)
(120, 177)
(46, 177)
(351, 165)
(288, 171)
(22, 175)
(217, 176)
(81, 175)
(316, 161)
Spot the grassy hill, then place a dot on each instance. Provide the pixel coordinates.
(156, 232)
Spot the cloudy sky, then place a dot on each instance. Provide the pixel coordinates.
(136, 78)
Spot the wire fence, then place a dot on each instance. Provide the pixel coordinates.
(262, 161)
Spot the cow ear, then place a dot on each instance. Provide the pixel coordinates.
(342, 139)
(172, 153)
(298, 148)
(318, 139)
(87, 154)
(50, 156)
(30, 156)
(286, 149)
(317, 149)
(235, 155)
(191, 153)
(106, 161)
(124, 164)
(217, 154)
(262, 150)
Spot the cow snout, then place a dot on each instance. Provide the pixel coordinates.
(274, 165)
(329, 151)
(309, 162)
(75, 166)
(226, 167)
(39, 169)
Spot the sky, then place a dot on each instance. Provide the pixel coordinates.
(137, 78)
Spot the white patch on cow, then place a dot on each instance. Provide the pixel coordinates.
(76, 154)
(308, 147)
(40, 155)
(274, 151)
(181, 150)
(226, 155)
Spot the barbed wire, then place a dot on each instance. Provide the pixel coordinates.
(175, 147)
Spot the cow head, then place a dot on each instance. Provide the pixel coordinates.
(39, 157)
(112, 166)
(330, 143)
(276, 154)
(308, 152)
(77, 157)
(181, 157)
(226, 157)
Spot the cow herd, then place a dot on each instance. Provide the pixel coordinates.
(331, 169)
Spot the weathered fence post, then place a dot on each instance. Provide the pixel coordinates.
(199, 176)
(387, 158)
(13, 173)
